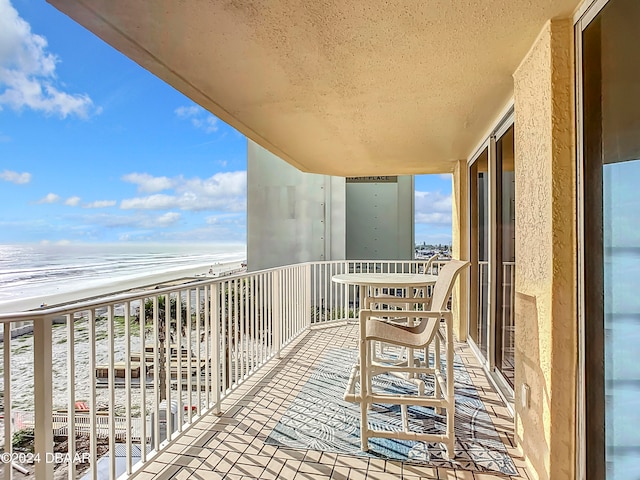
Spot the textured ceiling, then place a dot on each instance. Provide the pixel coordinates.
(334, 86)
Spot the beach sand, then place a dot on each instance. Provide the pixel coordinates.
(122, 285)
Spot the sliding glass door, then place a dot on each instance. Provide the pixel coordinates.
(480, 266)
(505, 256)
(492, 254)
(610, 93)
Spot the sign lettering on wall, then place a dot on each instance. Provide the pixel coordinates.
(373, 179)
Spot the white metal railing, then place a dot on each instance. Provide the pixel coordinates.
(483, 306)
(331, 301)
(139, 368)
(506, 316)
(508, 311)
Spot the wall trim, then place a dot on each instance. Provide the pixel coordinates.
(588, 10)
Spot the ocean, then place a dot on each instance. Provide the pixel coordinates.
(41, 272)
(35, 274)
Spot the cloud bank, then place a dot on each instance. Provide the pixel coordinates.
(28, 71)
(433, 208)
(199, 118)
(224, 191)
(15, 177)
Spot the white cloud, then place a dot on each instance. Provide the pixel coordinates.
(167, 219)
(445, 176)
(224, 191)
(100, 204)
(227, 219)
(186, 112)
(432, 208)
(219, 234)
(209, 123)
(434, 217)
(72, 201)
(199, 117)
(27, 71)
(152, 202)
(50, 198)
(136, 221)
(148, 183)
(15, 177)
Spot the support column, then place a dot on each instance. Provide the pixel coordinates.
(546, 284)
(460, 247)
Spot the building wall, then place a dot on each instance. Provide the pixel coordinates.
(292, 216)
(380, 219)
(546, 285)
(295, 217)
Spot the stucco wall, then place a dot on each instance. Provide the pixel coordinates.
(545, 304)
(460, 247)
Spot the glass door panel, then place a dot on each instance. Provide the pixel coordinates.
(480, 225)
(611, 119)
(506, 257)
(621, 239)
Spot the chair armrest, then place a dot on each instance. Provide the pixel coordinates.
(400, 300)
(368, 312)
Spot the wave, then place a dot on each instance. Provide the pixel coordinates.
(35, 270)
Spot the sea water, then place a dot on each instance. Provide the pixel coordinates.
(38, 271)
(50, 271)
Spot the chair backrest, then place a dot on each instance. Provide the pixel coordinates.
(446, 278)
(429, 264)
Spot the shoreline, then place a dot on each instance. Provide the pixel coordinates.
(198, 272)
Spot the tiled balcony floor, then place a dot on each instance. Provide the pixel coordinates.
(232, 446)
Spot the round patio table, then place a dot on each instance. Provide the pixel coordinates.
(370, 281)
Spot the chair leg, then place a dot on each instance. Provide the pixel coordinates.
(451, 398)
(371, 356)
(437, 392)
(451, 440)
(365, 384)
(450, 448)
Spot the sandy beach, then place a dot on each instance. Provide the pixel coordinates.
(121, 285)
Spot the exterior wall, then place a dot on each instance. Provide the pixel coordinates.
(460, 247)
(380, 219)
(292, 216)
(546, 284)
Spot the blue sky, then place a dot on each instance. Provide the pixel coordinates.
(93, 148)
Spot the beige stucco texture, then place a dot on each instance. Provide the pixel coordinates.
(337, 87)
(546, 285)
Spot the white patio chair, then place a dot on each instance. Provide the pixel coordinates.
(427, 330)
(427, 268)
(387, 301)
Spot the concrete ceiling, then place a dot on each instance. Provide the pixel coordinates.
(369, 87)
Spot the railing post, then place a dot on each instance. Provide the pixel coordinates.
(307, 298)
(277, 313)
(71, 394)
(42, 389)
(8, 412)
(215, 348)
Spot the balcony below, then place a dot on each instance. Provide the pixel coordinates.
(235, 444)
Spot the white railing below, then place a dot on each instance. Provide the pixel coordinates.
(146, 365)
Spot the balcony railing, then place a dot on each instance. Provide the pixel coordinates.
(135, 370)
